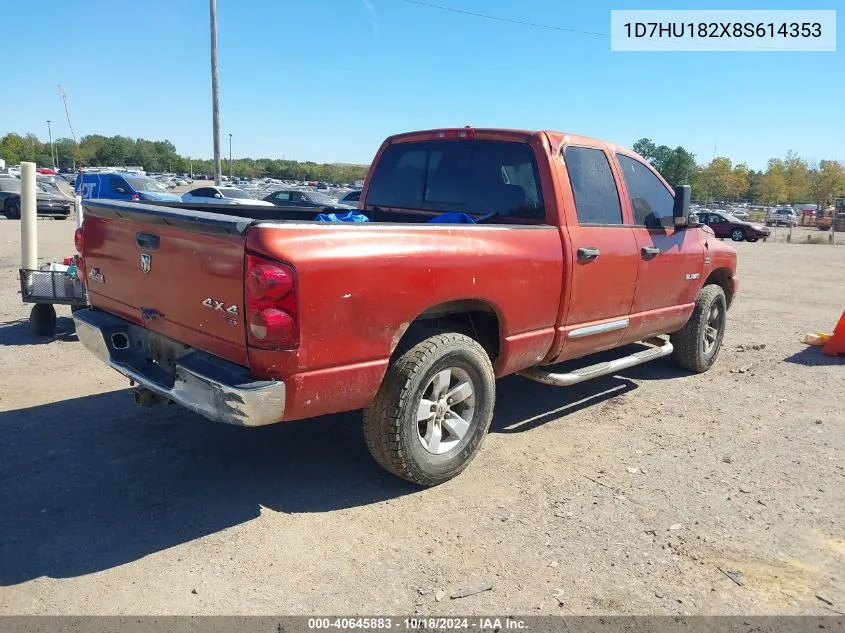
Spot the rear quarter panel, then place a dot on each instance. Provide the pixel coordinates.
(360, 287)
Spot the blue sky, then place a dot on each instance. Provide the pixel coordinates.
(327, 80)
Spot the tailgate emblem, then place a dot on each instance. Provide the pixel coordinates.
(146, 262)
(216, 305)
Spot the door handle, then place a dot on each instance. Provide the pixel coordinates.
(650, 251)
(587, 254)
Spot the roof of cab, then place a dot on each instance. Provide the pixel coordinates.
(556, 139)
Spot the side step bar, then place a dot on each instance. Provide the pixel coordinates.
(661, 348)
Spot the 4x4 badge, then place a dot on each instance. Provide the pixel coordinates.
(146, 262)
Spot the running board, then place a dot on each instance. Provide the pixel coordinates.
(661, 348)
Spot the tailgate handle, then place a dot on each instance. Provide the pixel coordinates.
(149, 241)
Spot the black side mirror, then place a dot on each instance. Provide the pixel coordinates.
(120, 190)
(680, 211)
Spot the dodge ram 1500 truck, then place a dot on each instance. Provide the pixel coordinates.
(568, 246)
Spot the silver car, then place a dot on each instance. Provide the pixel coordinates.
(222, 195)
(784, 216)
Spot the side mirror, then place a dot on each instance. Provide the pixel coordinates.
(219, 196)
(692, 220)
(120, 190)
(680, 211)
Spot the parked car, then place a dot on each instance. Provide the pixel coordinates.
(305, 199)
(121, 186)
(781, 216)
(222, 195)
(49, 201)
(727, 225)
(527, 263)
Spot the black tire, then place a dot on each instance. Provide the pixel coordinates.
(693, 349)
(42, 318)
(737, 235)
(60, 217)
(391, 426)
(751, 239)
(13, 209)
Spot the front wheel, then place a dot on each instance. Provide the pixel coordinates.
(697, 344)
(13, 209)
(433, 409)
(737, 235)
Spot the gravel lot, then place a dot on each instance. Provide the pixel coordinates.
(641, 493)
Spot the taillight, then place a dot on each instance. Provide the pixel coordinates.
(267, 281)
(271, 315)
(78, 241)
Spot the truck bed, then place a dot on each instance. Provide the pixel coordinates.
(359, 287)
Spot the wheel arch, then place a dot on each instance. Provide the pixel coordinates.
(722, 277)
(476, 318)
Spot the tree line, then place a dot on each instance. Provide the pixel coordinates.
(96, 150)
(790, 179)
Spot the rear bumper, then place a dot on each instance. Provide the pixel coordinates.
(42, 208)
(214, 388)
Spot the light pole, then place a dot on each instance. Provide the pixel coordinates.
(52, 148)
(215, 93)
(230, 156)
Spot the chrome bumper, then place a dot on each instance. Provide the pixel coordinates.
(208, 385)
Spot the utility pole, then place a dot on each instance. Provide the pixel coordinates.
(230, 156)
(52, 148)
(215, 94)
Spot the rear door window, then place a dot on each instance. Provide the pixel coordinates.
(593, 186)
(651, 201)
(475, 177)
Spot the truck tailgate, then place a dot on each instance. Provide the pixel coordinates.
(179, 273)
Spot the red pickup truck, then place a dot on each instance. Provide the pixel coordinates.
(488, 252)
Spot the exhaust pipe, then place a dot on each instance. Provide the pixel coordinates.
(147, 398)
(119, 340)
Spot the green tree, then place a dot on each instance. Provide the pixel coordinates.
(772, 187)
(797, 174)
(675, 165)
(827, 182)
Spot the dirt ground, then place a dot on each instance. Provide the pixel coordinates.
(652, 492)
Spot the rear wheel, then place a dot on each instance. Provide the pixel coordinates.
(737, 235)
(42, 318)
(697, 344)
(433, 409)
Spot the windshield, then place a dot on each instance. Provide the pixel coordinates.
(320, 198)
(145, 184)
(231, 192)
(49, 187)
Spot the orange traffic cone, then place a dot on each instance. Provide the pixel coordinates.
(836, 345)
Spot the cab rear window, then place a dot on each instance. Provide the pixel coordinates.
(475, 177)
